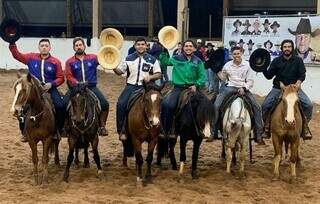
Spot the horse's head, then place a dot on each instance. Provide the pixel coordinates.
(152, 103)
(26, 88)
(78, 103)
(290, 101)
(204, 113)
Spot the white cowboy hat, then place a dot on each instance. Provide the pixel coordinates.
(111, 36)
(168, 37)
(109, 56)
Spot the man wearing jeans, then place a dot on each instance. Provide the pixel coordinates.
(288, 69)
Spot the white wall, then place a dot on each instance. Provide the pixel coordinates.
(62, 49)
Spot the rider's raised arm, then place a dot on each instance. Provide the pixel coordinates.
(122, 68)
(24, 58)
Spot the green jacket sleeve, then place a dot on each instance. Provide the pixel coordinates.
(201, 74)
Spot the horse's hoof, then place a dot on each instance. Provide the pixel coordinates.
(139, 182)
(77, 166)
(174, 167)
(86, 165)
(293, 180)
(100, 174)
(195, 175)
(242, 175)
(65, 178)
(147, 179)
(275, 178)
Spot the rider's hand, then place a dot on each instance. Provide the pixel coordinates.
(146, 79)
(193, 88)
(241, 91)
(47, 86)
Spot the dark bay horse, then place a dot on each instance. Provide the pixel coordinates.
(39, 121)
(143, 125)
(83, 122)
(286, 127)
(193, 122)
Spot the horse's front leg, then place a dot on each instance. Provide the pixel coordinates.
(56, 153)
(86, 163)
(277, 145)
(139, 159)
(228, 155)
(183, 144)
(33, 146)
(294, 149)
(72, 142)
(245, 137)
(45, 158)
(151, 146)
(76, 157)
(195, 156)
(172, 144)
(96, 156)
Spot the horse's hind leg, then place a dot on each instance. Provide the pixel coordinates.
(139, 162)
(33, 146)
(228, 157)
(56, 153)
(195, 154)
(45, 159)
(160, 151)
(293, 159)
(96, 156)
(70, 158)
(183, 144)
(76, 158)
(277, 145)
(172, 144)
(86, 163)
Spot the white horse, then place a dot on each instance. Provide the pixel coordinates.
(236, 132)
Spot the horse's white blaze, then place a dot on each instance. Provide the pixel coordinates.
(18, 89)
(206, 130)
(154, 97)
(155, 120)
(291, 100)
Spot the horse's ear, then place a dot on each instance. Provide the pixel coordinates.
(19, 74)
(29, 77)
(282, 86)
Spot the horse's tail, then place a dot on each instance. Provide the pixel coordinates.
(128, 147)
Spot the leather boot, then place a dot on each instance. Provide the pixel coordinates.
(103, 119)
(306, 135)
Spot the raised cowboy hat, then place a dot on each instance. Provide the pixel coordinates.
(111, 36)
(275, 23)
(304, 27)
(168, 37)
(109, 57)
(260, 60)
(10, 30)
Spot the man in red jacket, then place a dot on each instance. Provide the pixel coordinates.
(47, 69)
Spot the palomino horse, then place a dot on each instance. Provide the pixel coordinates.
(144, 126)
(39, 120)
(286, 127)
(236, 132)
(193, 122)
(83, 123)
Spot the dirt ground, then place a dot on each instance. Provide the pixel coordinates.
(118, 184)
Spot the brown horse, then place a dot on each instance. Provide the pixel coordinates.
(286, 127)
(39, 120)
(144, 126)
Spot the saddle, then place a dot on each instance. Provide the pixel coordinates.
(183, 100)
(95, 99)
(133, 98)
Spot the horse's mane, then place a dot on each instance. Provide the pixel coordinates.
(202, 107)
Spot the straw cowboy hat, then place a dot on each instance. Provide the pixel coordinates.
(111, 36)
(304, 27)
(109, 56)
(168, 37)
(260, 60)
(10, 30)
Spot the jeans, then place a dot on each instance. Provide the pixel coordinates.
(59, 106)
(122, 105)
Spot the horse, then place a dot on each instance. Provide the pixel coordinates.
(193, 122)
(286, 127)
(39, 121)
(83, 128)
(236, 126)
(143, 125)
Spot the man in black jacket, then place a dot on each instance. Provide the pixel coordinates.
(288, 69)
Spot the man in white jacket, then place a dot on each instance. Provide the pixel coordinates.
(239, 78)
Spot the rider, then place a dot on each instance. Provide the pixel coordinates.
(240, 81)
(188, 73)
(82, 67)
(47, 69)
(138, 66)
(289, 69)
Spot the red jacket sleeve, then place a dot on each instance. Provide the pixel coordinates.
(69, 75)
(24, 58)
(59, 75)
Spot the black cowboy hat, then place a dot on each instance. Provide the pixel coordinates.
(268, 41)
(250, 42)
(260, 60)
(275, 23)
(237, 21)
(304, 27)
(218, 59)
(246, 23)
(266, 21)
(10, 30)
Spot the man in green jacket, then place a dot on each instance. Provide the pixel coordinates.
(188, 73)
